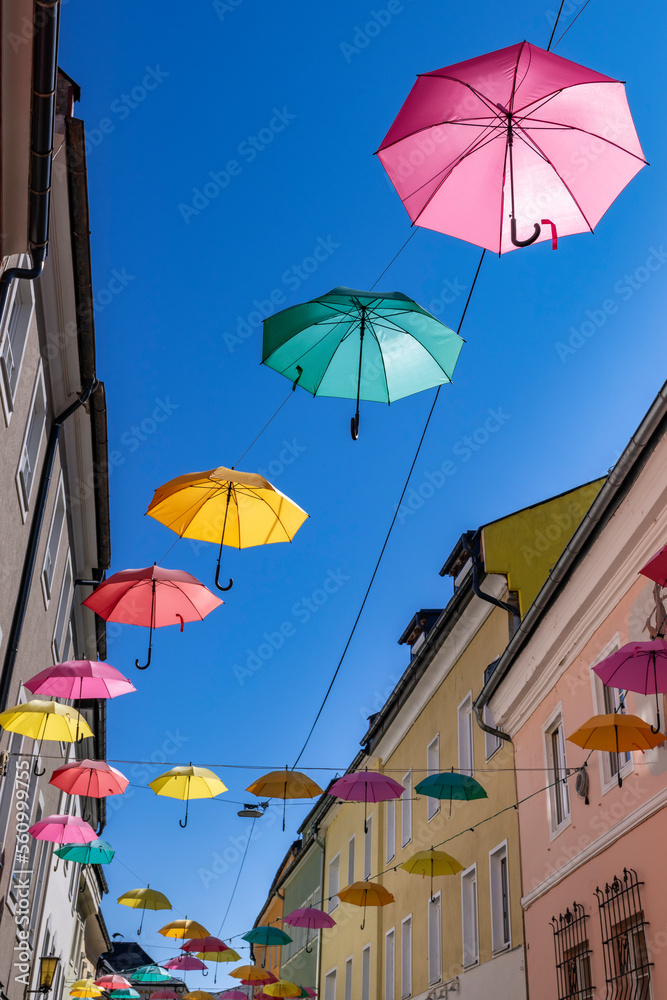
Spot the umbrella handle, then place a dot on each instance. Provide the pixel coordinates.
(523, 243)
(217, 575)
(180, 822)
(147, 663)
(354, 426)
(296, 380)
(36, 771)
(204, 972)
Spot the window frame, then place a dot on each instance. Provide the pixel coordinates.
(436, 898)
(469, 877)
(366, 972)
(466, 707)
(333, 896)
(406, 809)
(492, 744)
(432, 804)
(390, 825)
(24, 501)
(390, 993)
(7, 393)
(47, 584)
(351, 858)
(608, 777)
(499, 854)
(349, 965)
(549, 728)
(66, 641)
(331, 974)
(406, 920)
(368, 847)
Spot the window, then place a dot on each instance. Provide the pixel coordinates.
(406, 810)
(33, 439)
(469, 914)
(330, 985)
(53, 543)
(559, 795)
(62, 633)
(334, 882)
(623, 927)
(13, 340)
(432, 767)
(491, 743)
(390, 829)
(389, 943)
(302, 936)
(406, 957)
(348, 979)
(500, 899)
(350, 861)
(573, 962)
(366, 973)
(466, 758)
(434, 940)
(368, 848)
(7, 786)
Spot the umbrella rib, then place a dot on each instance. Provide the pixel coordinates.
(384, 369)
(555, 126)
(472, 122)
(563, 182)
(174, 586)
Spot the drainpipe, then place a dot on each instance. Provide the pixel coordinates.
(479, 715)
(44, 78)
(320, 844)
(33, 541)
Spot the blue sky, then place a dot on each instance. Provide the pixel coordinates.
(228, 142)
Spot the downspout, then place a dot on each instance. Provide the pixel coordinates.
(33, 541)
(320, 844)
(479, 715)
(471, 544)
(44, 77)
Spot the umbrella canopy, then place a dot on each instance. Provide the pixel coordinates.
(164, 994)
(285, 785)
(97, 852)
(365, 894)
(656, 568)
(125, 994)
(185, 963)
(144, 899)
(233, 995)
(207, 944)
(637, 666)
(80, 679)
(188, 782)
(252, 974)
(282, 988)
(113, 982)
(45, 720)
(151, 974)
(432, 863)
(253, 982)
(152, 597)
(198, 995)
(85, 988)
(616, 733)
(228, 955)
(365, 345)
(450, 785)
(309, 916)
(228, 507)
(93, 778)
(366, 786)
(184, 929)
(483, 150)
(268, 936)
(63, 830)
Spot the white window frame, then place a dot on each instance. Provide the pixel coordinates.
(20, 291)
(497, 856)
(390, 830)
(435, 967)
(469, 878)
(62, 645)
(330, 978)
(368, 847)
(366, 972)
(351, 859)
(390, 964)
(433, 749)
(554, 722)
(406, 967)
(492, 744)
(349, 969)
(406, 809)
(39, 388)
(51, 557)
(608, 777)
(334, 865)
(465, 732)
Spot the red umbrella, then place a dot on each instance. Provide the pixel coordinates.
(656, 567)
(152, 597)
(366, 786)
(113, 983)
(93, 778)
(205, 944)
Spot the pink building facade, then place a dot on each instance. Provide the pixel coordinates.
(593, 848)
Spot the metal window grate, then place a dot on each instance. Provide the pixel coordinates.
(573, 963)
(626, 964)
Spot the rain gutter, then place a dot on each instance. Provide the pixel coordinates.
(620, 479)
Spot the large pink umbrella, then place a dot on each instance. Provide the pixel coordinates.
(185, 963)
(309, 916)
(93, 778)
(79, 679)
(366, 786)
(639, 667)
(486, 149)
(152, 597)
(63, 830)
(163, 994)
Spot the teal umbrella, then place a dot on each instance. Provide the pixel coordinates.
(450, 785)
(151, 974)
(124, 994)
(267, 936)
(364, 345)
(97, 852)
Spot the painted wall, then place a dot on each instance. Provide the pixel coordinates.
(304, 884)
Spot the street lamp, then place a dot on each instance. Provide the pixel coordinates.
(47, 972)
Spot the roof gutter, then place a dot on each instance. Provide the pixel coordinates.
(621, 477)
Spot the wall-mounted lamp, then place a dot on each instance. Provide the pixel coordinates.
(48, 965)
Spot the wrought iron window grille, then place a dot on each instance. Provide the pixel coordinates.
(626, 964)
(573, 964)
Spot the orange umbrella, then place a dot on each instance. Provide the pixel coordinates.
(365, 894)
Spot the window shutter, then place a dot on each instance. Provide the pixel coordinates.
(434, 941)
(389, 965)
(390, 819)
(406, 958)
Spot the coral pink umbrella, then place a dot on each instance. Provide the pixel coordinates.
(185, 963)
(79, 679)
(63, 830)
(484, 149)
(152, 597)
(366, 786)
(93, 778)
(637, 666)
(113, 983)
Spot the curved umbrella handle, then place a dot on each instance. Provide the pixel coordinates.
(523, 243)
(217, 576)
(147, 663)
(354, 426)
(36, 771)
(204, 972)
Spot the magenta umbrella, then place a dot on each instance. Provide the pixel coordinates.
(63, 830)
(205, 944)
(483, 150)
(233, 995)
(639, 667)
(366, 786)
(656, 568)
(310, 917)
(79, 679)
(186, 963)
(164, 994)
(93, 778)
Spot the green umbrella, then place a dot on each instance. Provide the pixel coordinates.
(124, 994)
(450, 785)
(151, 974)
(267, 935)
(97, 852)
(362, 345)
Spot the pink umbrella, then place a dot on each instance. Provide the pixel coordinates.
(366, 786)
(152, 597)
(309, 916)
(113, 982)
(63, 830)
(205, 944)
(185, 963)
(80, 679)
(637, 666)
(164, 994)
(233, 995)
(490, 145)
(93, 778)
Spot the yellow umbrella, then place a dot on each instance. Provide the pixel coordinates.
(229, 955)
(198, 995)
(432, 863)
(616, 733)
(226, 506)
(282, 988)
(185, 929)
(144, 899)
(365, 894)
(45, 720)
(188, 783)
(252, 973)
(85, 988)
(285, 785)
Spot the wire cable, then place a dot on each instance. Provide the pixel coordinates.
(236, 884)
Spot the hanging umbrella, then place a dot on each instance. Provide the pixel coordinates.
(365, 894)
(144, 899)
(282, 989)
(616, 733)
(79, 679)
(151, 974)
(640, 667)
(268, 936)
(113, 982)
(656, 568)
(432, 863)
(450, 785)
(252, 974)
(198, 995)
(482, 149)
(228, 955)
(369, 345)
(85, 988)
(125, 994)
(93, 778)
(206, 944)
(164, 994)
(184, 929)
(185, 963)
(188, 783)
(45, 720)
(63, 830)
(284, 785)
(228, 507)
(152, 597)
(366, 786)
(233, 995)
(97, 852)
(311, 918)
(253, 982)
